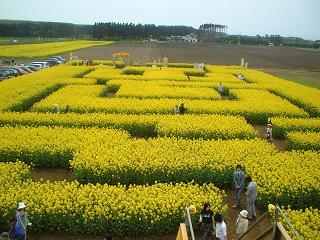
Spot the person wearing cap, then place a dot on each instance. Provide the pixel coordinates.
(238, 179)
(221, 228)
(242, 223)
(206, 220)
(22, 222)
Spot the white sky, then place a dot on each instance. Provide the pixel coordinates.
(296, 18)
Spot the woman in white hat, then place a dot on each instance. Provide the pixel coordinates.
(22, 222)
(242, 223)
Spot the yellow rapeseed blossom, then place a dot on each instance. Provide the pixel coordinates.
(282, 125)
(305, 221)
(303, 140)
(46, 49)
(97, 209)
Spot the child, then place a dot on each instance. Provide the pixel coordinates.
(12, 230)
(221, 228)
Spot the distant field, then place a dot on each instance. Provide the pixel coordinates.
(46, 49)
(24, 40)
(310, 49)
(219, 54)
(308, 78)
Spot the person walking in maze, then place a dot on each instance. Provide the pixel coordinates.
(269, 130)
(220, 88)
(238, 179)
(68, 109)
(252, 194)
(221, 228)
(176, 110)
(182, 109)
(22, 222)
(55, 108)
(206, 220)
(242, 223)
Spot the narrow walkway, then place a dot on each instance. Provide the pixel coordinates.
(225, 98)
(52, 174)
(279, 143)
(232, 215)
(110, 95)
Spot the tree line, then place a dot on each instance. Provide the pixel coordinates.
(99, 31)
(16, 28)
(129, 31)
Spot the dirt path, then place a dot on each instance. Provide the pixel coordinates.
(232, 215)
(279, 143)
(53, 174)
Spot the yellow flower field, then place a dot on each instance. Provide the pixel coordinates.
(303, 140)
(186, 126)
(50, 146)
(305, 221)
(98, 209)
(251, 103)
(46, 49)
(121, 131)
(282, 125)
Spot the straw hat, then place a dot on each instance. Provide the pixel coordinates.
(244, 213)
(21, 205)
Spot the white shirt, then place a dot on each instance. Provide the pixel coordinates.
(221, 230)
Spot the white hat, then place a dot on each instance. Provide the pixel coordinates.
(21, 205)
(244, 213)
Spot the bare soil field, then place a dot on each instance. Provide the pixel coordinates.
(257, 56)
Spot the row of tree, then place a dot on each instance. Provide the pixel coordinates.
(99, 31)
(13, 28)
(130, 31)
(125, 31)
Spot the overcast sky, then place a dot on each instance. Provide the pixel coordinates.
(249, 17)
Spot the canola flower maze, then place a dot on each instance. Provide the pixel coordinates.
(130, 153)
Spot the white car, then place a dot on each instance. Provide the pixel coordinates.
(44, 64)
(38, 66)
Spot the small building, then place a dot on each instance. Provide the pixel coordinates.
(192, 37)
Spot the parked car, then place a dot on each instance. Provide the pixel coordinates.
(5, 74)
(32, 68)
(44, 64)
(26, 69)
(52, 62)
(20, 70)
(60, 58)
(56, 59)
(37, 65)
(13, 72)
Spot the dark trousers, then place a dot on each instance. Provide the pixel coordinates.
(207, 231)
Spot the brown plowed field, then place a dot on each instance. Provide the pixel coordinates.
(257, 56)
